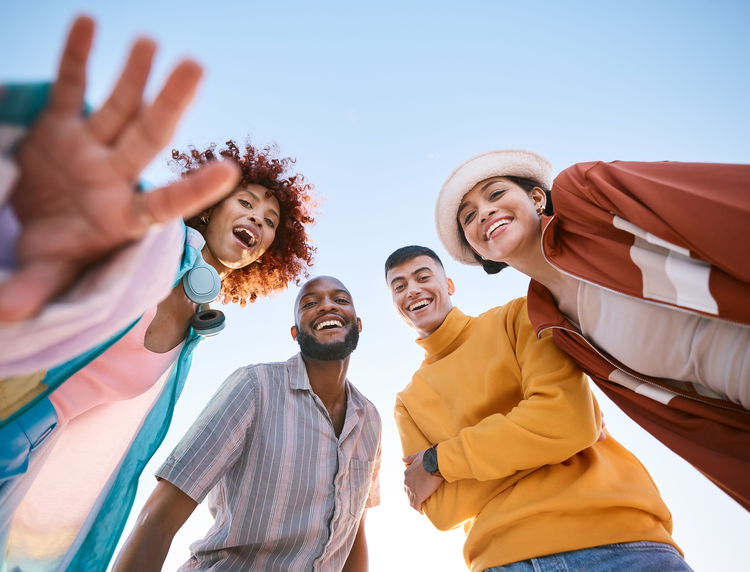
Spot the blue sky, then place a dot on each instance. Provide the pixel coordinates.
(379, 102)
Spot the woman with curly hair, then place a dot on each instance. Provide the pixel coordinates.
(640, 273)
(113, 414)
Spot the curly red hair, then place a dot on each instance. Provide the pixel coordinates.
(290, 255)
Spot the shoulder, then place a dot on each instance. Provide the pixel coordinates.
(506, 317)
(275, 368)
(255, 375)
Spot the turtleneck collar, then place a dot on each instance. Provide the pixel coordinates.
(451, 334)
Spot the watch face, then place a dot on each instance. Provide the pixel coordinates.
(429, 461)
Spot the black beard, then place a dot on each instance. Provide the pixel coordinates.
(332, 351)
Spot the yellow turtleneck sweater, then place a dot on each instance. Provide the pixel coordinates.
(517, 428)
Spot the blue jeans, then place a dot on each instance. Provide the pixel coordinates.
(631, 556)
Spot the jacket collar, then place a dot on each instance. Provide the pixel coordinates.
(542, 309)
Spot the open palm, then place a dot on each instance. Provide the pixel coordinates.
(76, 195)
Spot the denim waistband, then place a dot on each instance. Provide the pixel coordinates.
(20, 437)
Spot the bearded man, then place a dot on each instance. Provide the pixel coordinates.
(287, 453)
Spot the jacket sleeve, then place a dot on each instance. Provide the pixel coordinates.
(701, 207)
(557, 417)
(453, 503)
(412, 438)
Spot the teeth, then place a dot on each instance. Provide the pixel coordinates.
(417, 305)
(335, 323)
(498, 224)
(246, 236)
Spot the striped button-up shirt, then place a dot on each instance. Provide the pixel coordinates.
(286, 493)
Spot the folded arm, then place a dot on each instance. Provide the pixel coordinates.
(557, 418)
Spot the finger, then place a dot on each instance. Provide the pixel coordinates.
(126, 97)
(188, 196)
(153, 127)
(410, 459)
(413, 503)
(25, 293)
(68, 90)
(602, 437)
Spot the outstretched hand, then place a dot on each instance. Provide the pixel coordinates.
(75, 195)
(418, 483)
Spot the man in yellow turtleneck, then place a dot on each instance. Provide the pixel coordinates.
(500, 431)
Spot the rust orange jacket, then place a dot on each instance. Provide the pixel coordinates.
(675, 234)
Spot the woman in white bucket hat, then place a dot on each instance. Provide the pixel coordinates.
(640, 272)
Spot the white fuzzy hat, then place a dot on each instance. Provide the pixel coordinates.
(497, 163)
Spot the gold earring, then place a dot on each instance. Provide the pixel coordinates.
(540, 209)
(483, 258)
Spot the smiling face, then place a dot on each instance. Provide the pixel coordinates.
(240, 228)
(501, 220)
(327, 327)
(421, 293)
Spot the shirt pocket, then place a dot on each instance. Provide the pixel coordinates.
(360, 478)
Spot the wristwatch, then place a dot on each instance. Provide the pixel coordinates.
(430, 461)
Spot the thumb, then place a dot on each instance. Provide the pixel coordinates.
(188, 196)
(410, 459)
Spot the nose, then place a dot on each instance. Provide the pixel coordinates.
(485, 212)
(255, 219)
(414, 289)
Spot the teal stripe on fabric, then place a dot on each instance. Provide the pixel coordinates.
(98, 546)
(97, 549)
(57, 375)
(21, 103)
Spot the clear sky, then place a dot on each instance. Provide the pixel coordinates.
(378, 102)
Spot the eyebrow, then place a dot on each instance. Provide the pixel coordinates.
(417, 271)
(316, 293)
(257, 198)
(481, 191)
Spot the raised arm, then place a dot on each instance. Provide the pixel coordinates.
(164, 513)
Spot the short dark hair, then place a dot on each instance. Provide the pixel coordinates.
(407, 253)
(492, 266)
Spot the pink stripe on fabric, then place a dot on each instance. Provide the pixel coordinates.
(105, 301)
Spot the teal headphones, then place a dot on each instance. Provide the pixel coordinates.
(202, 285)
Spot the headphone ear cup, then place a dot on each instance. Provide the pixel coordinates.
(208, 322)
(201, 283)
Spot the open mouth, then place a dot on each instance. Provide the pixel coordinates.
(329, 325)
(419, 304)
(245, 236)
(497, 225)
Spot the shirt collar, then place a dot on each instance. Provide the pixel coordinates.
(298, 379)
(355, 402)
(298, 373)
